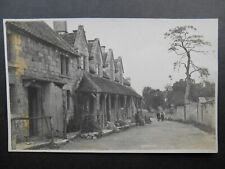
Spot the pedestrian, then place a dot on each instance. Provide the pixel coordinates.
(158, 116)
(162, 115)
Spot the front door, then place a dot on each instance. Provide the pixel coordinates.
(33, 110)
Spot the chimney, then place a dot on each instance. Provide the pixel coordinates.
(60, 26)
(97, 39)
(103, 49)
(80, 27)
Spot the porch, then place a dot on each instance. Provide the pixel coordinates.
(104, 101)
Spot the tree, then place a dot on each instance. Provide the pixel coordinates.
(205, 89)
(153, 98)
(184, 42)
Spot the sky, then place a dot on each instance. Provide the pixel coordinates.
(144, 50)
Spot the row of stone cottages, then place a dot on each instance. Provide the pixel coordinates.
(58, 78)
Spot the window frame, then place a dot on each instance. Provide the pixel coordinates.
(64, 65)
(68, 104)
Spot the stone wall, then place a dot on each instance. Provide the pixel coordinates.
(196, 112)
(207, 114)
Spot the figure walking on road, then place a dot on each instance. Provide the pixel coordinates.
(158, 116)
(162, 115)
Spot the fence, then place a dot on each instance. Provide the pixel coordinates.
(15, 131)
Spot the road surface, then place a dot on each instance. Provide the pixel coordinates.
(165, 135)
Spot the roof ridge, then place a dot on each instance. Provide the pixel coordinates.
(34, 31)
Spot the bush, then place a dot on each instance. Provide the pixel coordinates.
(120, 123)
(141, 122)
(111, 126)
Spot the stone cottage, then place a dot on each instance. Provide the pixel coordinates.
(43, 72)
(57, 78)
(104, 94)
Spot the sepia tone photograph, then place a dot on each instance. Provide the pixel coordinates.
(112, 85)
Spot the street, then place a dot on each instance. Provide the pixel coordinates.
(165, 135)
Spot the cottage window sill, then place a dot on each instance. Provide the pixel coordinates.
(65, 76)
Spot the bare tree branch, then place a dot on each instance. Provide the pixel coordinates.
(196, 70)
(184, 64)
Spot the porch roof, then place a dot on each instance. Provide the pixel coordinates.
(93, 83)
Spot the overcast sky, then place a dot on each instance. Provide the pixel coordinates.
(141, 44)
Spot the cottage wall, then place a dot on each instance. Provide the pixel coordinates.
(119, 71)
(30, 58)
(95, 61)
(110, 65)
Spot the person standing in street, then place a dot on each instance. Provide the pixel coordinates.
(158, 116)
(162, 116)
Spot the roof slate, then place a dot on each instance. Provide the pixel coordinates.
(41, 30)
(69, 37)
(92, 83)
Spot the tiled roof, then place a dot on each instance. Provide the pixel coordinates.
(92, 83)
(41, 30)
(69, 37)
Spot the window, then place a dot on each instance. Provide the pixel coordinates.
(64, 65)
(97, 69)
(12, 98)
(82, 62)
(68, 99)
(61, 61)
(78, 63)
(67, 66)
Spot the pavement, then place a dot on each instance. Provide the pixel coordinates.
(43, 143)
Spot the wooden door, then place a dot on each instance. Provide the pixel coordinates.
(33, 110)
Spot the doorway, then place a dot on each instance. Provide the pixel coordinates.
(108, 108)
(34, 109)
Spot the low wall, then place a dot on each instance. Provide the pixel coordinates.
(203, 113)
